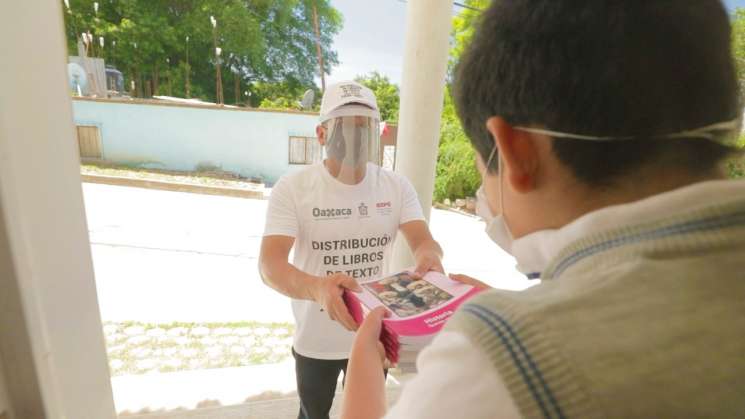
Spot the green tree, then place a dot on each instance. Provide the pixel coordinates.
(386, 93)
(738, 45)
(456, 174)
(282, 95)
(464, 24)
(736, 167)
(261, 41)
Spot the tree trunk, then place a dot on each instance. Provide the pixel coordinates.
(132, 86)
(237, 87)
(318, 48)
(139, 82)
(156, 79)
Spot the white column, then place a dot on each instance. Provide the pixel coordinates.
(47, 288)
(4, 404)
(428, 24)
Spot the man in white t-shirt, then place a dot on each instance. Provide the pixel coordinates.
(342, 217)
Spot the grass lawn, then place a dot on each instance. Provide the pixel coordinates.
(140, 348)
(206, 177)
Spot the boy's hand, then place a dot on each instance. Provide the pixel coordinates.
(368, 335)
(328, 293)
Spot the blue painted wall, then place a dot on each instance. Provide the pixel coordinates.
(247, 142)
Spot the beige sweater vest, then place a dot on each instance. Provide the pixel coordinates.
(646, 321)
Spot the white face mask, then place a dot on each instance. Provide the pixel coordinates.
(496, 226)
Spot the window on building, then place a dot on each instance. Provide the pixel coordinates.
(89, 141)
(305, 150)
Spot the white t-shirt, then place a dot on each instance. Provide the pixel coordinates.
(338, 228)
(455, 380)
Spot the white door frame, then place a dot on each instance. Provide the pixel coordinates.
(52, 350)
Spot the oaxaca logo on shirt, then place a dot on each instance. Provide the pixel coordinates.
(362, 209)
(331, 213)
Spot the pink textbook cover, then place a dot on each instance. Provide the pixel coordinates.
(418, 307)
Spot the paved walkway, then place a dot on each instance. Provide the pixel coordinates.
(170, 256)
(163, 257)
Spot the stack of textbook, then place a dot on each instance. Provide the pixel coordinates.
(419, 307)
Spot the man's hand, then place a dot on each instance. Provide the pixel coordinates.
(328, 293)
(428, 261)
(427, 253)
(465, 279)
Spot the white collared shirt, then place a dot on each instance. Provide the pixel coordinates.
(457, 380)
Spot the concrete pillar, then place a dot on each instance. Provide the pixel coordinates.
(51, 340)
(4, 404)
(428, 24)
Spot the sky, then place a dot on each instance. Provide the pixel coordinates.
(372, 38)
(731, 4)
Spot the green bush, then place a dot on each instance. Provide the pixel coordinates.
(736, 166)
(456, 174)
(736, 169)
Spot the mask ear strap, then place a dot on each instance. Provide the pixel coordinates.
(491, 157)
(501, 185)
(708, 132)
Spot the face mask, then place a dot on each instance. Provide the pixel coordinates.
(496, 227)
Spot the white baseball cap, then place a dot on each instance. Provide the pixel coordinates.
(348, 98)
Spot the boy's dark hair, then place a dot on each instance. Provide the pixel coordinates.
(603, 68)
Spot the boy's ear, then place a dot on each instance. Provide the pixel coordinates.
(518, 152)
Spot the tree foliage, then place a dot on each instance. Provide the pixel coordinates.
(736, 167)
(386, 93)
(284, 95)
(738, 45)
(456, 174)
(262, 41)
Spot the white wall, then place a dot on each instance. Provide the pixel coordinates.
(41, 202)
(252, 143)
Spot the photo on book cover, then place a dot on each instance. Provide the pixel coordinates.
(407, 296)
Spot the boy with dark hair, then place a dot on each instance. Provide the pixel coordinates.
(601, 128)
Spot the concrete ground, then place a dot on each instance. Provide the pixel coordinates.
(171, 256)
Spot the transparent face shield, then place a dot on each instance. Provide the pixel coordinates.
(351, 143)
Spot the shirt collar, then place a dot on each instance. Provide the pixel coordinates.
(535, 251)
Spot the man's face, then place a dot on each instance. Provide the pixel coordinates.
(349, 140)
(323, 129)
